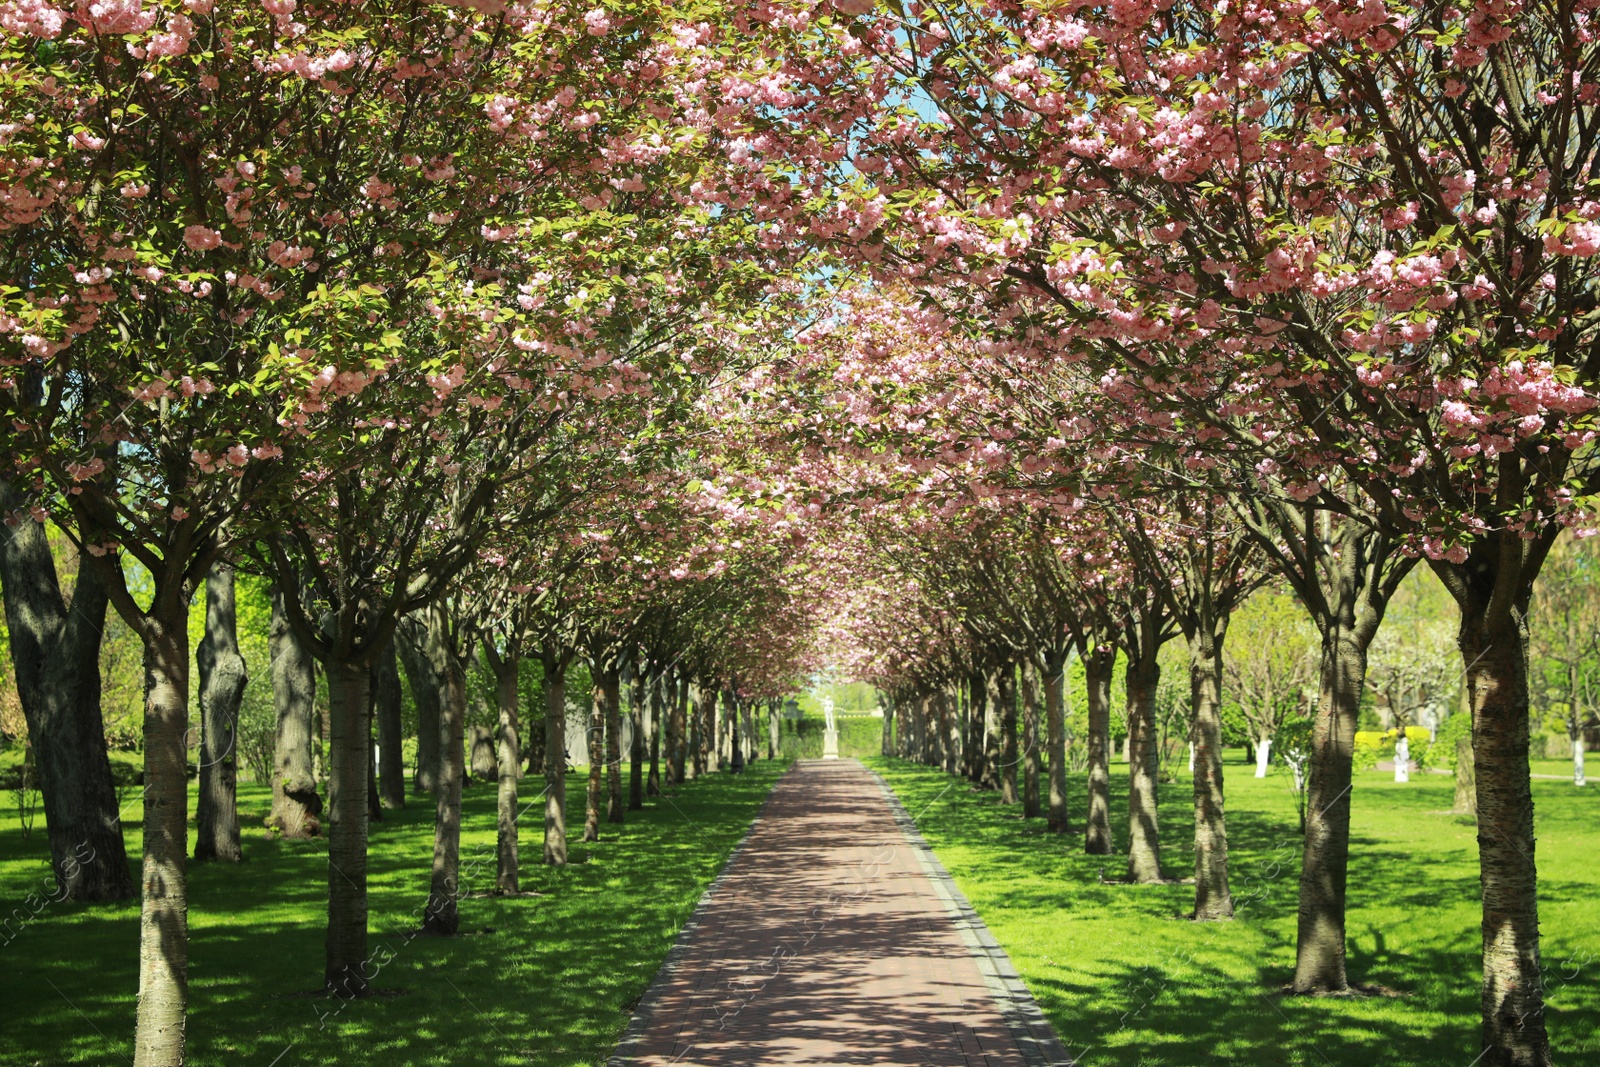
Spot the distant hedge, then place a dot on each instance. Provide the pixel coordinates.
(859, 735)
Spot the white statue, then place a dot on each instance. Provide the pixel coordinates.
(830, 736)
(1402, 758)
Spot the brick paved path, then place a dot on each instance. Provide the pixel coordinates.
(826, 942)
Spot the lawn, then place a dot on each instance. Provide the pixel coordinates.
(1127, 981)
(547, 979)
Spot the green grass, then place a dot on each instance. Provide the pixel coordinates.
(1127, 981)
(549, 980)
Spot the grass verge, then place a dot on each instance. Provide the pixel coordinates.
(1127, 981)
(548, 979)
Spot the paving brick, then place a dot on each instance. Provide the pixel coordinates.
(825, 943)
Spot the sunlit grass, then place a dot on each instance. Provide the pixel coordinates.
(549, 980)
(1127, 981)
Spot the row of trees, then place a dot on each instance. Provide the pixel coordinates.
(413, 315)
(1043, 330)
(1301, 291)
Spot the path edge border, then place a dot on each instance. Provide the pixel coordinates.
(633, 1033)
(1035, 1038)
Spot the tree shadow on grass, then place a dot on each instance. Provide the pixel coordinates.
(553, 983)
(1127, 982)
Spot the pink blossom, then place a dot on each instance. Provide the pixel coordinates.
(200, 238)
(32, 18)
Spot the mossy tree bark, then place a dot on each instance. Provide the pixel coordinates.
(1030, 739)
(1099, 659)
(1004, 694)
(727, 726)
(427, 689)
(222, 682)
(164, 906)
(349, 698)
(296, 804)
(1320, 953)
(609, 685)
(1144, 831)
(699, 739)
(1147, 628)
(664, 699)
(508, 765)
(1212, 899)
(973, 691)
(1466, 792)
(638, 719)
(1344, 572)
(1055, 662)
(555, 659)
(386, 708)
(686, 712)
(447, 649)
(1203, 574)
(950, 710)
(595, 742)
(55, 656)
(1493, 587)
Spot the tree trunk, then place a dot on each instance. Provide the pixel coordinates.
(442, 915)
(508, 763)
(916, 712)
(664, 701)
(1263, 756)
(951, 723)
(1004, 693)
(1212, 899)
(686, 712)
(735, 733)
(993, 745)
(1324, 868)
(1496, 656)
(55, 658)
(482, 762)
(374, 802)
(700, 742)
(222, 682)
(612, 692)
(1144, 833)
(164, 904)
(597, 760)
(535, 763)
(1055, 726)
(349, 697)
(974, 737)
(772, 729)
(427, 690)
(727, 723)
(386, 701)
(637, 715)
(748, 736)
(1466, 798)
(1098, 665)
(555, 759)
(1030, 739)
(296, 804)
